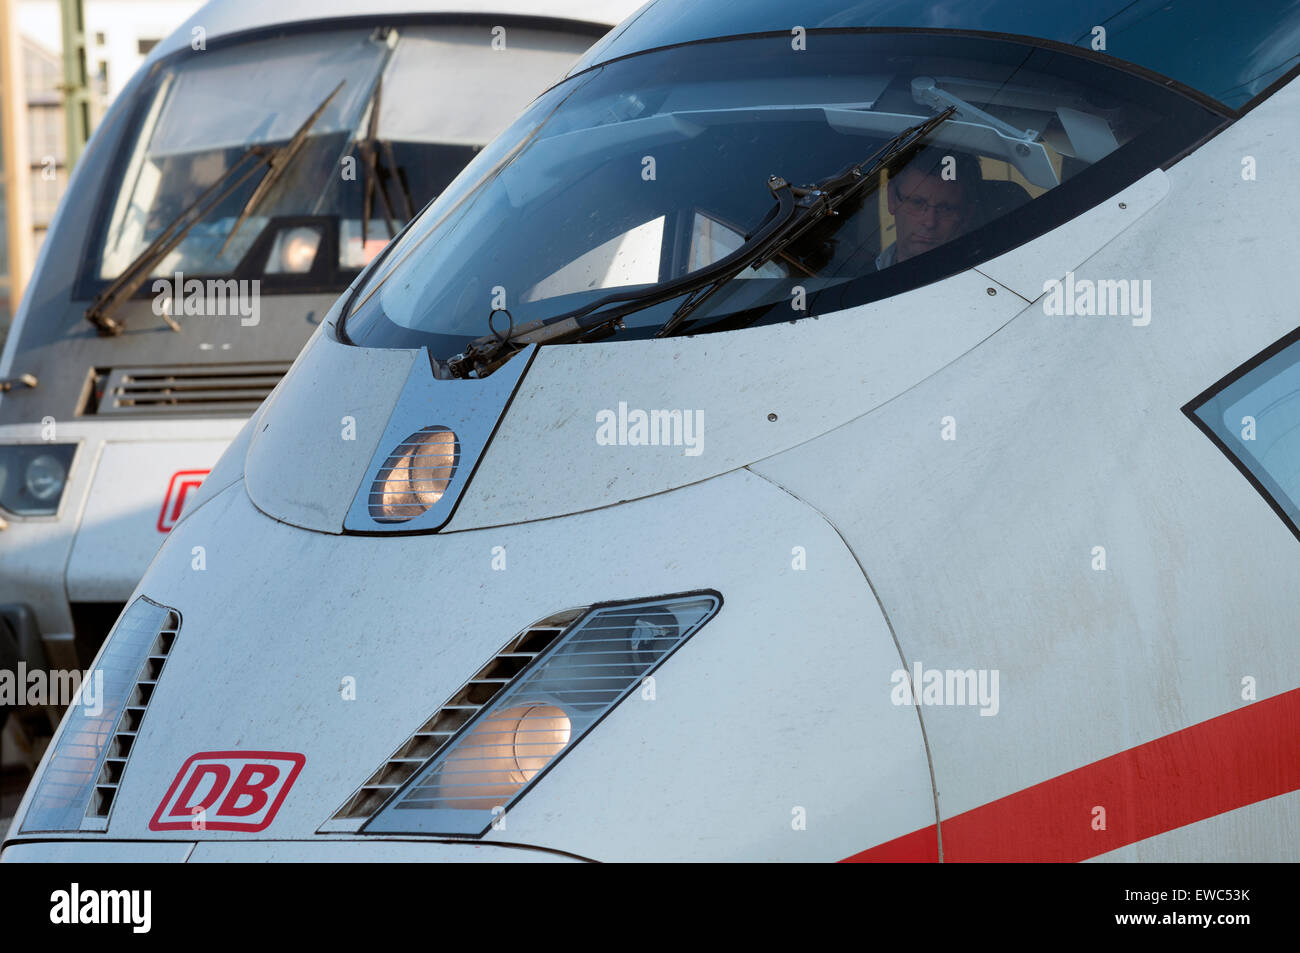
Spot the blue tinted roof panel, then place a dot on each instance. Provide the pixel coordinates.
(1230, 53)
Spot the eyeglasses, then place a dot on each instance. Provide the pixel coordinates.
(916, 207)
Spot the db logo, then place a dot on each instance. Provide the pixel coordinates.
(182, 482)
(227, 791)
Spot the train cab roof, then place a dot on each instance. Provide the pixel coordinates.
(223, 18)
(1229, 57)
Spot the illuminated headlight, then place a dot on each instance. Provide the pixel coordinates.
(503, 753)
(294, 250)
(414, 476)
(33, 477)
(601, 658)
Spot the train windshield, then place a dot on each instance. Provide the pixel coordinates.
(647, 169)
(301, 157)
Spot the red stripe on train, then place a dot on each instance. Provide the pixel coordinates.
(1245, 756)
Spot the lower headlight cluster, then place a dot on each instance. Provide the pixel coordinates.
(546, 709)
(75, 790)
(34, 476)
(503, 753)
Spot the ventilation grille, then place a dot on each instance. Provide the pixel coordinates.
(128, 724)
(544, 713)
(464, 705)
(202, 389)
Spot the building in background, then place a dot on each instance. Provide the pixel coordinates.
(4, 269)
(118, 36)
(46, 136)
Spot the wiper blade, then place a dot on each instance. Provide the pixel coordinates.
(9, 383)
(368, 148)
(813, 204)
(381, 166)
(279, 160)
(486, 354)
(138, 270)
(796, 211)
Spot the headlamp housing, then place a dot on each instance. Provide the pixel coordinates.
(33, 477)
(542, 713)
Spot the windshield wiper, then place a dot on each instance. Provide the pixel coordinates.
(370, 164)
(138, 270)
(279, 161)
(380, 165)
(796, 211)
(9, 383)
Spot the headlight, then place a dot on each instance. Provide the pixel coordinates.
(33, 477)
(295, 251)
(533, 720)
(45, 478)
(502, 754)
(415, 475)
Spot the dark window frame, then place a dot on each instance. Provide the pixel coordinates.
(1192, 409)
(86, 284)
(1155, 148)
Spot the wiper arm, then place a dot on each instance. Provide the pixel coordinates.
(138, 270)
(279, 160)
(370, 164)
(9, 383)
(814, 203)
(797, 210)
(380, 166)
(486, 354)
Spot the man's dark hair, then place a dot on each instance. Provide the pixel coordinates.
(930, 160)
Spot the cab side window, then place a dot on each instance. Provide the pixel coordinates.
(1253, 415)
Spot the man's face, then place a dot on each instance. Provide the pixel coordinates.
(927, 210)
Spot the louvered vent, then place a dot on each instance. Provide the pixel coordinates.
(201, 389)
(473, 697)
(128, 723)
(593, 666)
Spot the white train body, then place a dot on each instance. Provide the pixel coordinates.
(953, 577)
(138, 420)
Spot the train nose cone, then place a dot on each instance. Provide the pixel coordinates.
(322, 656)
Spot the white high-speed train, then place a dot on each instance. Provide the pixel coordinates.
(259, 159)
(811, 431)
